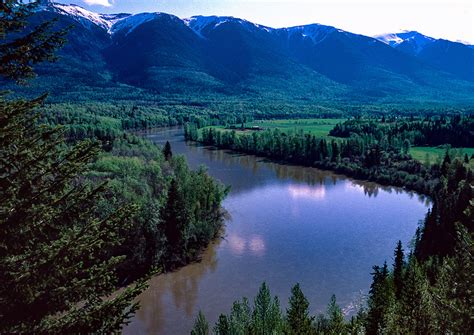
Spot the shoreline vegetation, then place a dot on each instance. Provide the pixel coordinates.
(426, 291)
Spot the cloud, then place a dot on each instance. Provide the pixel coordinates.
(105, 3)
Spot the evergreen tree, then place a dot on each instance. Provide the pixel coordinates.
(266, 318)
(222, 326)
(56, 275)
(297, 314)
(453, 293)
(398, 267)
(406, 146)
(380, 300)
(167, 151)
(240, 318)
(18, 53)
(336, 323)
(446, 162)
(174, 218)
(416, 312)
(201, 326)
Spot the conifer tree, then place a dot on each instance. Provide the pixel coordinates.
(299, 321)
(416, 307)
(453, 293)
(240, 317)
(222, 326)
(266, 318)
(174, 218)
(56, 273)
(398, 267)
(201, 326)
(380, 300)
(336, 323)
(167, 151)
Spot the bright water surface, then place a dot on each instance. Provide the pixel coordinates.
(288, 224)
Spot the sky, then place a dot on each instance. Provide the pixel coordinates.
(448, 19)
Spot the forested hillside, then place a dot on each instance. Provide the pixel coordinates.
(161, 56)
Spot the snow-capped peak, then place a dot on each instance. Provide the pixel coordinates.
(416, 40)
(316, 32)
(84, 16)
(201, 23)
(128, 24)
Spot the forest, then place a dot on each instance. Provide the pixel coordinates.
(90, 210)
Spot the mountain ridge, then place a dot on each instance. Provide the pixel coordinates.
(164, 53)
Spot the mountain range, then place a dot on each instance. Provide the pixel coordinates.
(217, 55)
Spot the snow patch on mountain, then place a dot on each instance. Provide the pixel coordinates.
(199, 24)
(390, 39)
(83, 16)
(416, 40)
(130, 23)
(316, 32)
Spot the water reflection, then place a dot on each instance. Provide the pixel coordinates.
(181, 291)
(245, 172)
(240, 244)
(289, 224)
(301, 191)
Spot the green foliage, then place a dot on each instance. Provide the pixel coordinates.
(398, 270)
(63, 240)
(266, 317)
(201, 326)
(359, 157)
(20, 53)
(56, 274)
(297, 315)
(335, 323)
(455, 130)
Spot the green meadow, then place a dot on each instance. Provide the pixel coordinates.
(433, 154)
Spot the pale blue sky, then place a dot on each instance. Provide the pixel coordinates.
(450, 19)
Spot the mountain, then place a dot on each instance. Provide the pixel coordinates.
(453, 57)
(411, 42)
(225, 56)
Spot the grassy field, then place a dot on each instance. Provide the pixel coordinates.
(318, 127)
(321, 127)
(437, 153)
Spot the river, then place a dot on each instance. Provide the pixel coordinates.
(287, 224)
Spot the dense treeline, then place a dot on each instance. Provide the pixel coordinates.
(360, 157)
(266, 317)
(457, 130)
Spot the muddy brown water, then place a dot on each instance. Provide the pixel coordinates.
(287, 224)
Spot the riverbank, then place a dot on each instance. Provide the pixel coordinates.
(287, 224)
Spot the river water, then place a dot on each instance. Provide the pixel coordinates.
(287, 224)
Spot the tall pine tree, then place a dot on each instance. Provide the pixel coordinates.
(56, 275)
(297, 315)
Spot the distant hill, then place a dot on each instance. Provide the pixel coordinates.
(225, 56)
